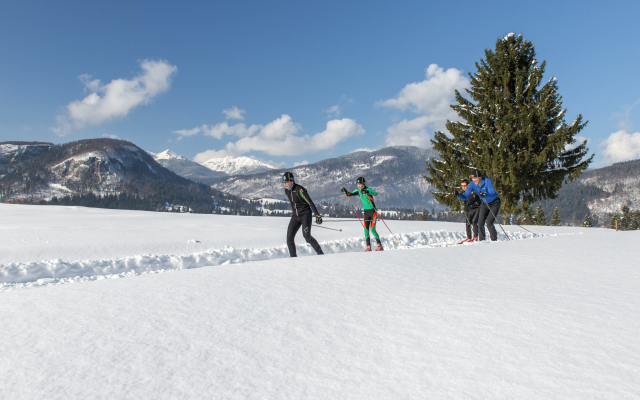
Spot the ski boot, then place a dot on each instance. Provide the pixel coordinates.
(379, 248)
(475, 239)
(465, 241)
(368, 248)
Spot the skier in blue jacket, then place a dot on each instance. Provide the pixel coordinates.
(490, 207)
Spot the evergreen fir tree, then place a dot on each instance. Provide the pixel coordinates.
(615, 222)
(635, 220)
(586, 221)
(625, 219)
(512, 129)
(555, 218)
(526, 216)
(539, 218)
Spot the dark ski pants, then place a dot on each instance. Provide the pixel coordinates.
(296, 222)
(486, 216)
(472, 222)
(370, 217)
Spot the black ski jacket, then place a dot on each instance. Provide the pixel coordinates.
(472, 202)
(301, 203)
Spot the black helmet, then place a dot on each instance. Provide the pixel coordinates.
(475, 173)
(360, 180)
(288, 176)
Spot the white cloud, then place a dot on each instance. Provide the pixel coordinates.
(297, 164)
(223, 128)
(279, 138)
(219, 130)
(115, 99)
(234, 113)
(622, 146)
(363, 149)
(432, 98)
(409, 133)
(334, 111)
(110, 136)
(624, 116)
(187, 132)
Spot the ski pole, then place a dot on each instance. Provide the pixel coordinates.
(385, 224)
(379, 216)
(354, 210)
(494, 217)
(468, 222)
(331, 229)
(526, 229)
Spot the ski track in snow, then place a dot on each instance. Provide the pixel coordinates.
(57, 272)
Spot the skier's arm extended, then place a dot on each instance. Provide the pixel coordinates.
(348, 193)
(471, 188)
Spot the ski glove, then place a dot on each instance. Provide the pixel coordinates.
(455, 192)
(318, 219)
(483, 194)
(344, 190)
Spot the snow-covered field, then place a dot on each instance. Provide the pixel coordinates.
(551, 315)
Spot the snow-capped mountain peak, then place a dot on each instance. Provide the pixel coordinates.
(168, 155)
(237, 165)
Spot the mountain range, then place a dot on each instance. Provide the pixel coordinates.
(211, 170)
(598, 192)
(394, 172)
(40, 172)
(103, 172)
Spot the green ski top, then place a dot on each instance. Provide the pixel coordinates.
(367, 199)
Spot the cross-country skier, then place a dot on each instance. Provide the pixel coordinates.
(302, 206)
(490, 207)
(370, 213)
(472, 207)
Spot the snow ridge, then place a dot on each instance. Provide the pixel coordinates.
(55, 272)
(237, 165)
(168, 155)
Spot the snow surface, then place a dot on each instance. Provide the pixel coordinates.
(552, 315)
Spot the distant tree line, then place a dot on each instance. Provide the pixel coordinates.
(626, 220)
(156, 195)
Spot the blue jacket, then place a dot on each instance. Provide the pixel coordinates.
(485, 187)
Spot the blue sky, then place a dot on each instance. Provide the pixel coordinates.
(294, 82)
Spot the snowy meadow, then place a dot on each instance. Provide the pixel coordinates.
(125, 304)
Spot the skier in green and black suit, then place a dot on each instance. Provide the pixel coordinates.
(370, 211)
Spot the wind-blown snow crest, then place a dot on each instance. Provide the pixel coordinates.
(54, 272)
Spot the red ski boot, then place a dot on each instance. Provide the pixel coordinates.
(368, 248)
(379, 248)
(475, 239)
